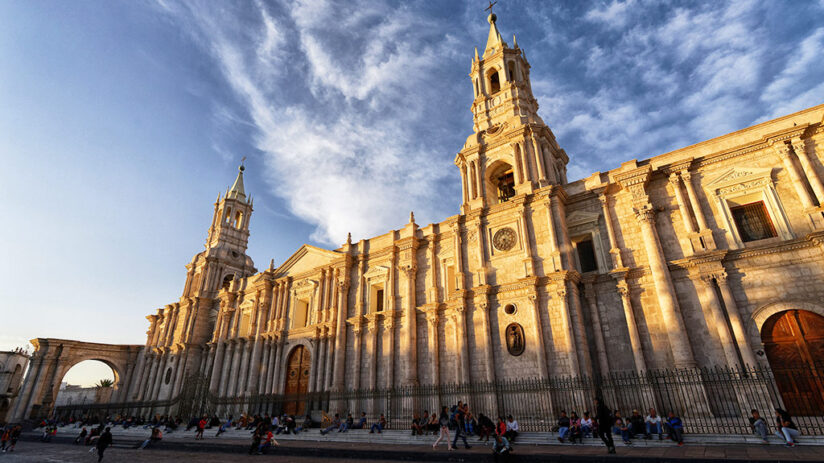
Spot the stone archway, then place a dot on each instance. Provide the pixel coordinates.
(54, 357)
(793, 342)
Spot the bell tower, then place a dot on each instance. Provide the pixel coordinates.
(512, 151)
(224, 259)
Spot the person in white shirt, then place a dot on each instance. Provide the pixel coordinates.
(653, 422)
(511, 429)
(586, 425)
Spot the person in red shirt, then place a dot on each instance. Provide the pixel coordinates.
(500, 428)
(201, 426)
(268, 441)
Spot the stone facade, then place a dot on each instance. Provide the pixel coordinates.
(646, 266)
(12, 366)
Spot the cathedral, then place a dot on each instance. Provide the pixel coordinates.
(709, 255)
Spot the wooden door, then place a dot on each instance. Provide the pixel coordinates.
(794, 344)
(297, 381)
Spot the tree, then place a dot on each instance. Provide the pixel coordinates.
(104, 383)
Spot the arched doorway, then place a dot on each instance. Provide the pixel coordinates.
(297, 381)
(85, 383)
(794, 344)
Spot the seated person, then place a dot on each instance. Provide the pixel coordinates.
(335, 425)
(563, 426)
(379, 426)
(501, 448)
(347, 424)
(361, 423)
(307, 423)
(653, 424)
(758, 425)
(636, 424)
(575, 432)
(416, 425)
(511, 429)
(676, 428)
(785, 428)
(623, 428)
(485, 427)
(587, 425)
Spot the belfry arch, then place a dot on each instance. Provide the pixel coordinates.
(51, 361)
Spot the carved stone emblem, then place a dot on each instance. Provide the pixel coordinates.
(515, 339)
(504, 239)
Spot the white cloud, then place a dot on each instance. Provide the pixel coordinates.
(802, 70)
(614, 15)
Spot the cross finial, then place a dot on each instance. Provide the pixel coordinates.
(491, 4)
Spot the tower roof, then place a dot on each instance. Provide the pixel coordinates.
(237, 191)
(494, 41)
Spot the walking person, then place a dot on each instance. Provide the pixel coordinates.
(103, 443)
(15, 434)
(443, 421)
(81, 437)
(605, 422)
(201, 426)
(459, 419)
(5, 435)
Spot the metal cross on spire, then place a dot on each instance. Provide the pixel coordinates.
(491, 4)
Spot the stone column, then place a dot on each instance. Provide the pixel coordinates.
(632, 327)
(432, 337)
(717, 322)
(214, 382)
(696, 205)
(519, 175)
(243, 375)
(33, 377)
(553, 253)
(735, 320)
(225, 374)
(389, 330)
(137, 376)
(277, 371)
(264, 366)
(527, 172)
(800, 148)
(664, 289)
(356, 330)
(540, 347)
(595, 317)
(566, 321)
(614, 250)
(529, 266)
(340, 337)
(539, 160)
(459, 262)
(180, 365)
(783, 151)
(485, 339)
(464, 191)
(463, 351)
(146, 394)
(410, 325)
(313, 366)
(372, 352)
(675, 182)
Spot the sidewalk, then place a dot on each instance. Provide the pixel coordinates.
(186, 446)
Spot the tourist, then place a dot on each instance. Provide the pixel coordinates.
(676, 428)
(758, 425)
(485, 427)
(81, 437)
(471, 422)
(335, 425)
(379, 426)
(622, 426)
(501, 448)
(443, 422)
(563, 426)
(201, 426)
(586, 425)
(575, 433)
(156, 436)
(459, 422)
(425, 422)
(653, 423)
(223, 427)
(257, 436)
(433, 425)
(361, 424)
(500, 427)
(511, 429)
(307, 423)
(103, 443)
(267, 442)
(636, 424)
(416, 425)
(785, 428)
(5, 435)
(347, 424)
(605, 420)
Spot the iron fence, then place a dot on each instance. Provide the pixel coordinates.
(709, 400)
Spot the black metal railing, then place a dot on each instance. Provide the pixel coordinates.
(709, 400)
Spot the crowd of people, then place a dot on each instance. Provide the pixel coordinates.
(450, 425)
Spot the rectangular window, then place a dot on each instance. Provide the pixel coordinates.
(451, 279)
(586, 256)
(379, 301)
(753, 222)
(301, 314)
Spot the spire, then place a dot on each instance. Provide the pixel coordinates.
(494, 41)
(237, 191)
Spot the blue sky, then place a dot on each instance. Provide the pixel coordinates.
(120, 121)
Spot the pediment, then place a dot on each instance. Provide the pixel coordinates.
(376, 271)
(305, 259)
(577, 218)
(739, 174)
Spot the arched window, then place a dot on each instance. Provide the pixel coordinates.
(15, 378)
(494, 82)
(511, 71)
(477, 90)
(501, 181)
(227, 281)
(238, 219)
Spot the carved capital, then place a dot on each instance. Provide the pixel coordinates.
(781, 149)
(561, 293)
(673, 179)
(343, 285)
(645, 213)
(799, 146)
(433, 318)
(389, 322)
(409, 270)
(623, 288)
(686, 175)
(604, 199)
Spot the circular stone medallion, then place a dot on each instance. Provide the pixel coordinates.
(504, 239)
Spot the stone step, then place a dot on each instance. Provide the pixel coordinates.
(405, 438)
